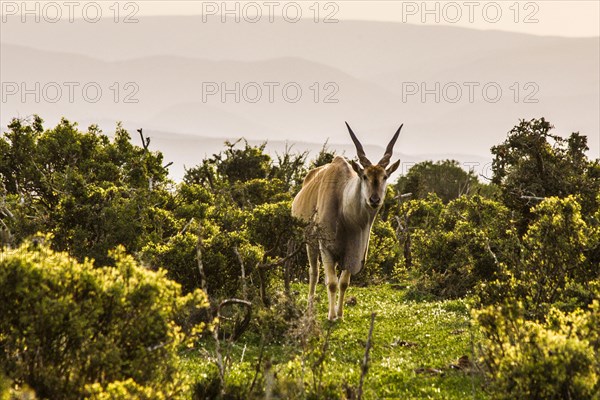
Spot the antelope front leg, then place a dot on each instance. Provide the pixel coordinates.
(330, 281)
(344, 283)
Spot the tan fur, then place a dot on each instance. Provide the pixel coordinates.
(327, 197)
(342, 200)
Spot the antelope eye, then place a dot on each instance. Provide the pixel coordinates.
(365, 177)
(385, 176)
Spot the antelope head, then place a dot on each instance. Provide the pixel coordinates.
(374, 176)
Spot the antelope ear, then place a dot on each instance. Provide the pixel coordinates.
(356, 167)
(390, 170)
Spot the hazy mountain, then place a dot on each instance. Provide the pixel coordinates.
(368, 68)
(362, 48)
(186, 151)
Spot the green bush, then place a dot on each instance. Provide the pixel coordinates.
(534, 161)
(65, 324)
(554, 256)
(178, 258)
(91, 192)
(529, 360)
(463, 247)
(123, 390)
(192, 200)
(444, 178)
(222, 266)
(555, 265)
(257, 191)
(272, 227)
(4, 387)
(222, 269)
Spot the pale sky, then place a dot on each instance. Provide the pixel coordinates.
(545, 17)
(548, 17)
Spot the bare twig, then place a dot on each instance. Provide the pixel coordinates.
(215, 331)
(243, 277)
(487, 178)
(489, 249)
(532, 198)
(203, 284)
(287, 269)
(318, 364)
(258, 363)
(220, 364)
(186, 226)
(280, 261)
(269, 380)
(365, 363)
(403, 196)
(145, 141)
(240, 328)
(264, 266)
(403, 229)
(473, 357)
(243, 353)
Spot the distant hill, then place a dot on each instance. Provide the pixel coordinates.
(186, 151)
(370, 65)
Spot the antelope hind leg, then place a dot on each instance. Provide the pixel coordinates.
(330, 281)
(313, 273)
(344, 283)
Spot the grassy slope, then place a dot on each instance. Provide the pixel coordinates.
(438, 332)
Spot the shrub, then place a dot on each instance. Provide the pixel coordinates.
(192, 200)
(529, 360)
(462, 249)
(258, 191)
(4, 387)
(444, 178)
(221, 265)
(123, 390)
(272, 227)
(178, 258)
(554, 257)
(91, 192)
(65, 324)
(555, 266)
(534, 161)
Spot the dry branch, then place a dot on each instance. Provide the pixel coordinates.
(243, 277)
(365, 363)
(240, 328)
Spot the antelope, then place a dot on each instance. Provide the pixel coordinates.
(341, 199)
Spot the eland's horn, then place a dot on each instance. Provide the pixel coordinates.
(390, 149)
(360, 152)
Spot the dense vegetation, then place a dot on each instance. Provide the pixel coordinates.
(480, 289)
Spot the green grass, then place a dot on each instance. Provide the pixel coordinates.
(438, 333)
